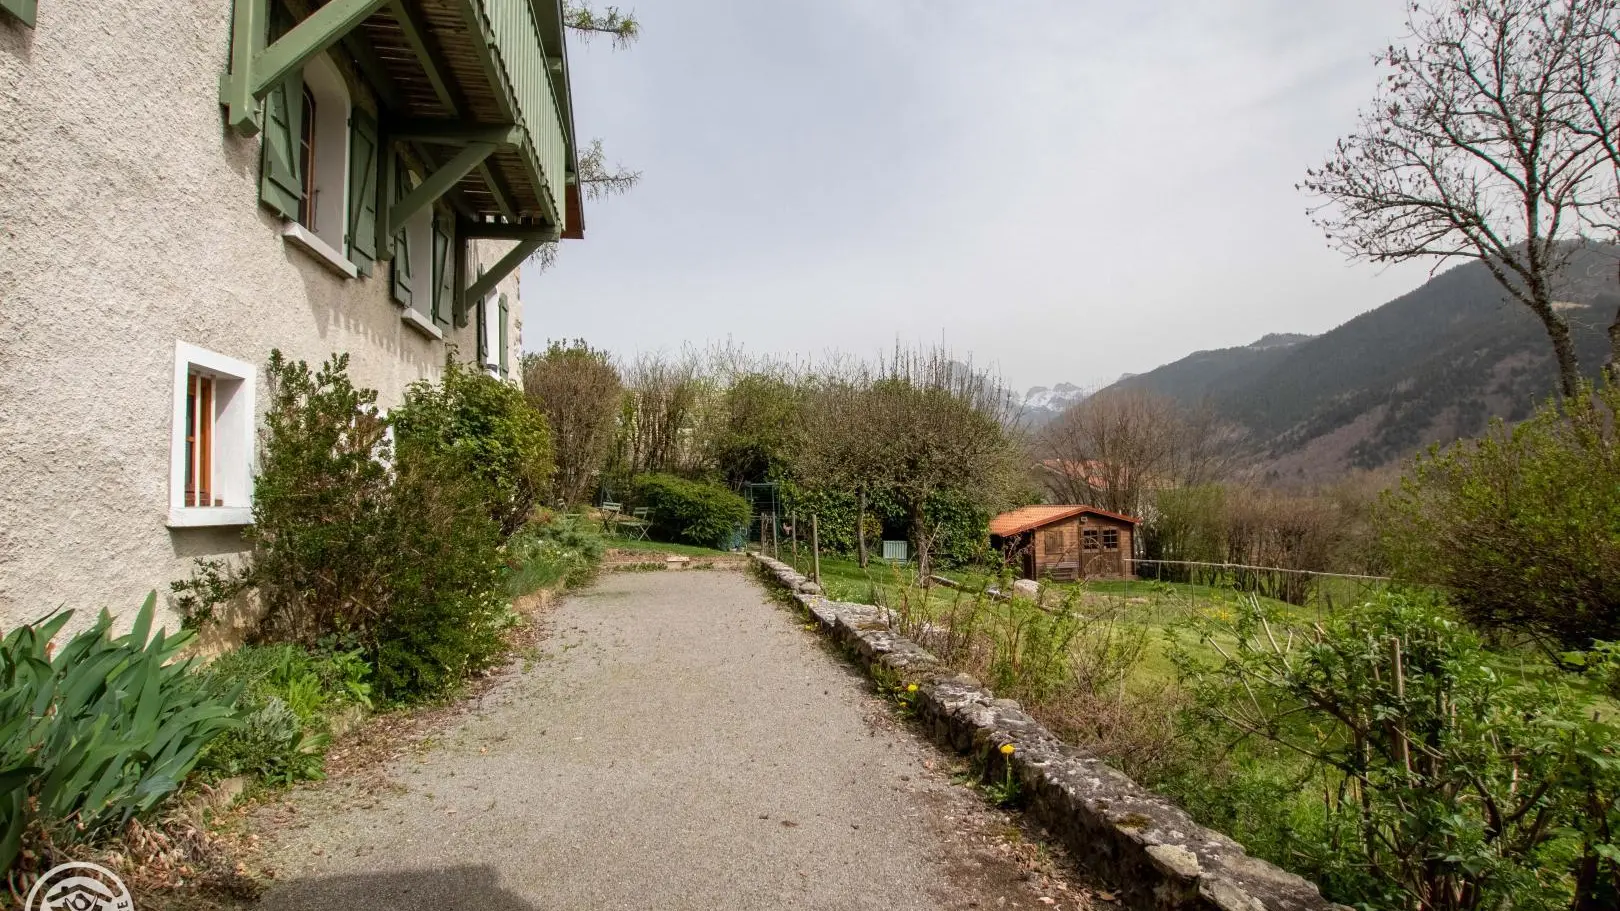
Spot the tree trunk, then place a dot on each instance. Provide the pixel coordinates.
(1612, 369)
(860, 527)
(919, 532)
(1569, 368)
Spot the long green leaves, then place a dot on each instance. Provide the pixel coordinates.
(99, 732)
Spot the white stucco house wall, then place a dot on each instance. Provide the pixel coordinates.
(188, 184)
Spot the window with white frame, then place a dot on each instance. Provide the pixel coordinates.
(211, 449)
(489, 324)
(323, 151)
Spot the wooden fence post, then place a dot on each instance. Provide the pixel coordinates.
(815, 548)
(776, 538)
(793, 534)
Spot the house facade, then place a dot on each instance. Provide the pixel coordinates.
(1067, 543)
(186, 185)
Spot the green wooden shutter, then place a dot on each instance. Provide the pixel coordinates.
(281, 181)
(444, 272)
(26, 10)
(362, 239)
(401, 271)
(483, 328)
(503, 343)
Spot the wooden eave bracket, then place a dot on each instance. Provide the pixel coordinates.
(502, 268)
(256, 69)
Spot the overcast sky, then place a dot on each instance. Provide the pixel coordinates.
(1066, 190)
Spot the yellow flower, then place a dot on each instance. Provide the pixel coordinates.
(911, 687)
(1007, 749)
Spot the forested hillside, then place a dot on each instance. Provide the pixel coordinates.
(1430, 366)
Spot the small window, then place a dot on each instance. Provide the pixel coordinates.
(1054, 541)
(307, 206)
(210, 479)
(1110, 539)
(1090, 538)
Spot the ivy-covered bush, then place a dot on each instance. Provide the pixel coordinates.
(691, 512)
(98, 731)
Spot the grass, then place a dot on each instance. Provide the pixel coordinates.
(663, 547)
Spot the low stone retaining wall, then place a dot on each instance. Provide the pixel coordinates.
(1154, 852)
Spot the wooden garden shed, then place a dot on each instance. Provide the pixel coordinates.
(1066, 542)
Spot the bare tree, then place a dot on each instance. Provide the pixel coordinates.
(1470, 151)
(1109, 449)
(1598, 88)
(577, 388)
(661, 403)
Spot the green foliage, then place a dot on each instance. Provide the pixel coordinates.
(761, 427)
(1522, 526)
(399, 549)
(560, 552)
(577, 388)
(691, 512)
(100, 731)
(1416, 771)
(289, 695)
(482, 429)
(961, 527)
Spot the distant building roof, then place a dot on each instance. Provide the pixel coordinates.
(1024, 518)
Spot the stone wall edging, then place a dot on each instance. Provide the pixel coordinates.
(1157, 855)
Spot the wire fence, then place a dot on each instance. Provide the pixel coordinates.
(1304, 587)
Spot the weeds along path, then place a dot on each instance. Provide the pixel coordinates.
(681, 742)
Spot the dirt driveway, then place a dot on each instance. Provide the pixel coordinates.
(678, 742)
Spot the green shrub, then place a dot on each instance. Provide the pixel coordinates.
(1522, 527)
(1386, 754)
(560, 552)
(691, 512)
(398, 548)
(485, 429)
(100, 731)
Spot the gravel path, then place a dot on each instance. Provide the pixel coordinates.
(679, 742)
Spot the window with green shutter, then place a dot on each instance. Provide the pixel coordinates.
(400, 284)
(26, 10)
(281, 179)
(444, 271)
(361, 237)
(502, 334)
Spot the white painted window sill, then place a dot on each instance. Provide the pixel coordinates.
(312, 244)
(209, 516)
(421, 324)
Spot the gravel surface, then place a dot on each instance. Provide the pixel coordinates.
(678, 742)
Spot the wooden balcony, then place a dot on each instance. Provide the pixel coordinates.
(478, 90)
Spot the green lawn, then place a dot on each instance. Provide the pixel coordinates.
(661, 547)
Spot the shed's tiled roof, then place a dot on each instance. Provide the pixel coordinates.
(1024, 518)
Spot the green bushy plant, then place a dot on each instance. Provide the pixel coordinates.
(485, 429)
(1418, 771)
(395, 545)
(1522, 527)
(557, 552)
(289, 695)
(99, 731)
(691, 512)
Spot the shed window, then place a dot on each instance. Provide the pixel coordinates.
(1089, 538)
(1054, 541)
(1110, 539)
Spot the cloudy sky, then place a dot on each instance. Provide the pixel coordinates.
(1066, 190)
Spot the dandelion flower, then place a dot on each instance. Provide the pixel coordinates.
(1007, 749)
(911, 687)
